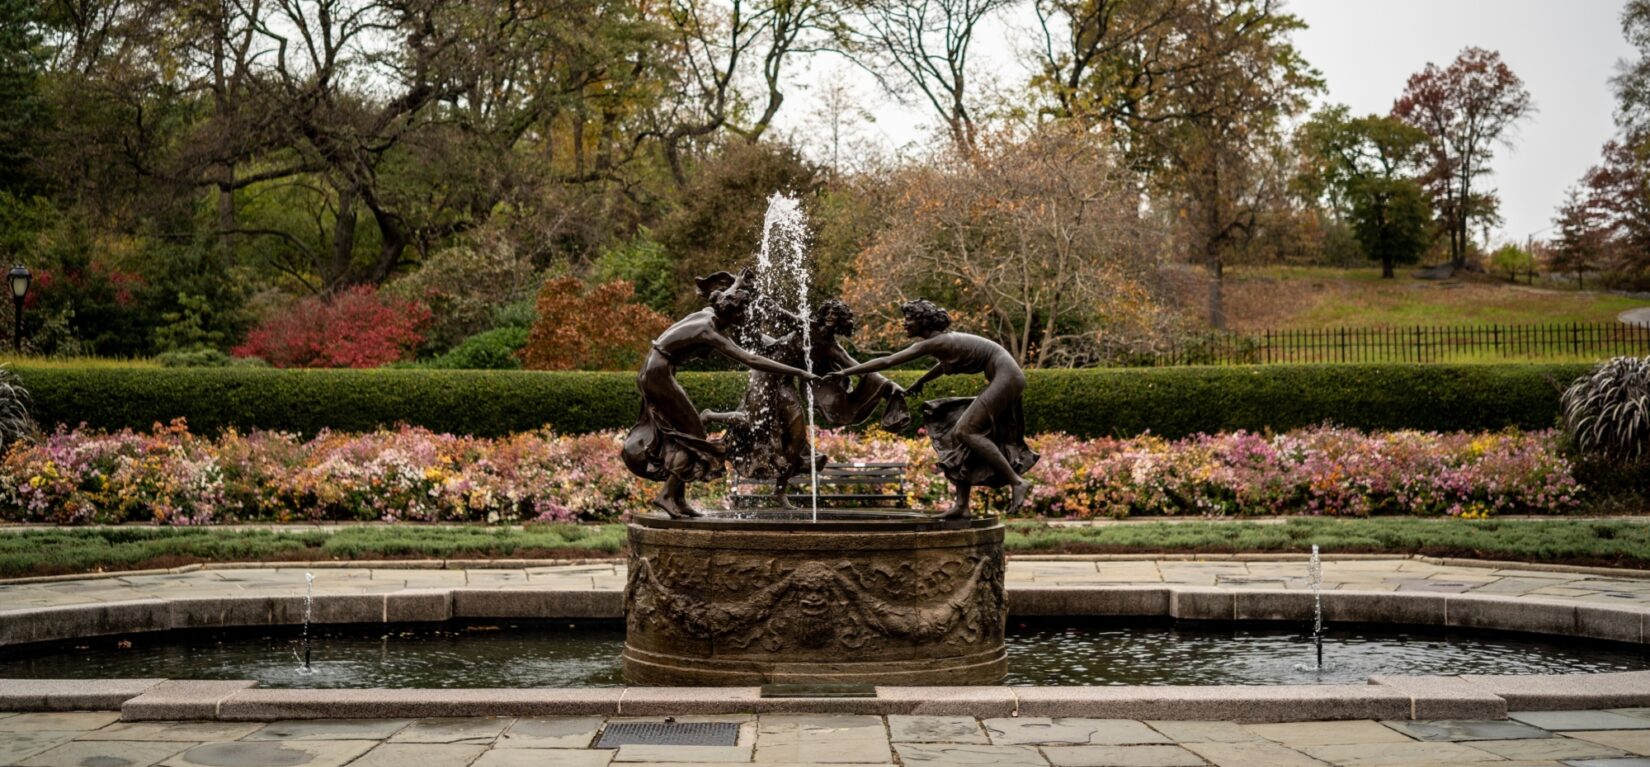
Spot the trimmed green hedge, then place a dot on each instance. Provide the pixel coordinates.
(1172, 402)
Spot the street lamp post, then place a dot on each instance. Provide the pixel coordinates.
(18, 278)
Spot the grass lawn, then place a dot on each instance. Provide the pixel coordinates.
(1585, 542)
(1276, 298)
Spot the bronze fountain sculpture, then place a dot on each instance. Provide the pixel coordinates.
(854, 596)
(767, 436)
(669, 442)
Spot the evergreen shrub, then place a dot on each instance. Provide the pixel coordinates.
(1171, 402)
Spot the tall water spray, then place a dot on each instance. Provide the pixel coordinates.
(782, 274)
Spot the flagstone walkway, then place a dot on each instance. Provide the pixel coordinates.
(1392, 575)
(1615, 738)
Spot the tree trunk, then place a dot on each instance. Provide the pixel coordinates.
(1217, 306)
(343, 242)
(226, 208)
(1386, 268)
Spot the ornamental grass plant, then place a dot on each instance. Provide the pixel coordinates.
(172, 476)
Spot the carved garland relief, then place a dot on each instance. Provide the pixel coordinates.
(776, 605)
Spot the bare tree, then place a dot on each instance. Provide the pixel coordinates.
(1036, 243)
(713, 43)
(927, 42)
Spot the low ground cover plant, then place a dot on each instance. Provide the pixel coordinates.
(169, 475)
(51, 551)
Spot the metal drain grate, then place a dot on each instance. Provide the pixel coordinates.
(669, 734)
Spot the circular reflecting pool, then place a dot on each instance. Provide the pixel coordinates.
(586, 654)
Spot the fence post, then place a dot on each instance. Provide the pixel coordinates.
(1417, 343)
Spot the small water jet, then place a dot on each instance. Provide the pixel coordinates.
(304, 646)
(1314, 575)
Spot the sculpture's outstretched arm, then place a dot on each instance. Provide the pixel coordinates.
(933, 373)
(914, 351)
(733, 351)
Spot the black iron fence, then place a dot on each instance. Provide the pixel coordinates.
(1461, 343)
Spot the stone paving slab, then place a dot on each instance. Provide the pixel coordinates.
(1547, 748)
(1458, 730)
(420, 755)
(115, 753)
(1572, 720)
(1067, 731)
(1409, 753)
(935, 729)
(17, 745)
(1303, 734)
(1261, 754)
(1631, 741)
(946, 754)
(462, 730)
(1121, 756)
(821, 739)
(272, 753)
(551, 732)
(773, 740)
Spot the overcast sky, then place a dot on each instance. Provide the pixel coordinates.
(1366, 49)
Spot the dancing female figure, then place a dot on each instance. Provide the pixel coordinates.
(981, 440)
(669, 442)
(838, 405)
(767, 436)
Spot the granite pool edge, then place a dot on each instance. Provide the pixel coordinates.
(1545, 615)
(516, 564)
(1385, 697)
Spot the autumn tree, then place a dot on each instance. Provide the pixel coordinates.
(1366, 168)
(1613, 204)
(1581, 240)
(1035, 243)
(595, 328)
(1195, 94)
(1466, 109)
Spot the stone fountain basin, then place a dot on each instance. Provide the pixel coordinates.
(1389, 697)
(775, 597)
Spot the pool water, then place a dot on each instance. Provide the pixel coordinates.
(518, 653)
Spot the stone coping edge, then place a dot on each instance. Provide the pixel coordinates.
(512, 564)
(1595, 620)
(1384, 697)
(438, 564)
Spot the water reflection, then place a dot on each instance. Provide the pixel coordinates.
(586, 654)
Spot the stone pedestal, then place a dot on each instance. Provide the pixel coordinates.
(889, 598)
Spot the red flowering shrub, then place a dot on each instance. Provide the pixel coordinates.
(358, 328)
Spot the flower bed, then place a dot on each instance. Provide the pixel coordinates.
(172, 476)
